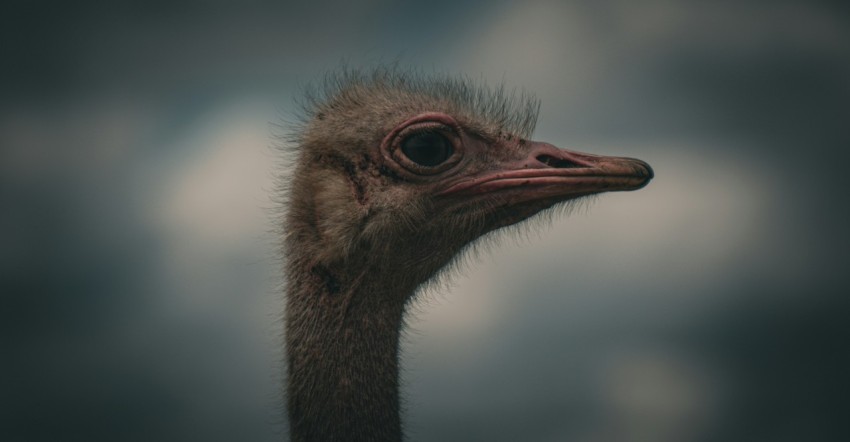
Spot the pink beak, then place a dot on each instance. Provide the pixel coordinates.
(552, 173)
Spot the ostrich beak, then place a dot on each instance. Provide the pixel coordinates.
(551, 174)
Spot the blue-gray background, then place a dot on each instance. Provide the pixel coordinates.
(138, 272)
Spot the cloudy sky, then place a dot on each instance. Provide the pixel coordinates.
(140, 285)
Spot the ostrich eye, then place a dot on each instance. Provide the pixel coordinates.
(427, 149)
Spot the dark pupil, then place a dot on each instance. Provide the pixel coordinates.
(427, 149)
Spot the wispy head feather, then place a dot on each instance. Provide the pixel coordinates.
(496, 109)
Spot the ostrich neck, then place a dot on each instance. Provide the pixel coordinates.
(342, 339)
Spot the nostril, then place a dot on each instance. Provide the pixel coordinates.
(558, 163)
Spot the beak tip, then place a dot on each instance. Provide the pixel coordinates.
(642, 170)
(650, 174)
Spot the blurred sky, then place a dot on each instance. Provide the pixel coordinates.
(139, 281)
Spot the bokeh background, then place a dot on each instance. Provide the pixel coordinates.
(139, 280)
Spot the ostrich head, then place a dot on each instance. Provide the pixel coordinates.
(395, 174)
(403, 171)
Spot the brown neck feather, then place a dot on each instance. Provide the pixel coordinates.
(342, 339)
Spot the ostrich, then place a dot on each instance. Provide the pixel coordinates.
(395, 174)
